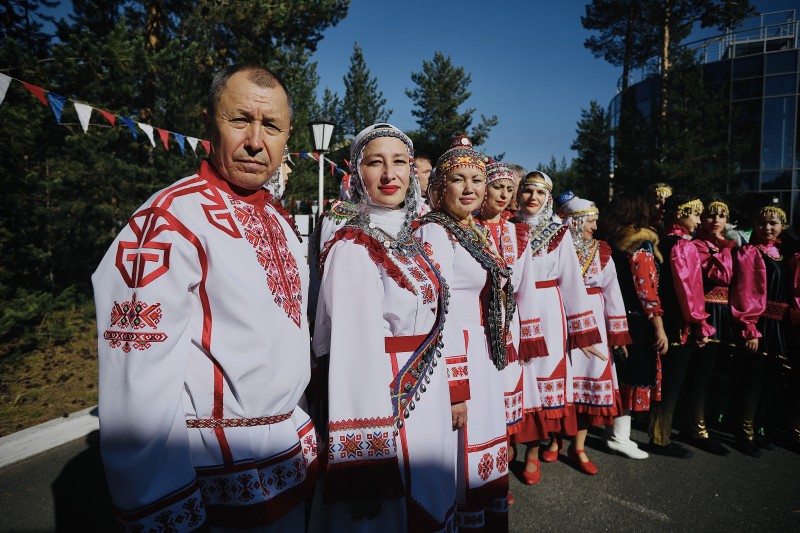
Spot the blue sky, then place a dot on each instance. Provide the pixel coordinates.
(526, 59)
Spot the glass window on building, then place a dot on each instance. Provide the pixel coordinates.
(749, 180)
(717, 72)
(776, 180)
(780, 85)
(748, 67)
(746, 133)
(781, 62)
(747, 88)
(778, 133)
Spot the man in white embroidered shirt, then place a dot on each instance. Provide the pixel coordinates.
(203, 340)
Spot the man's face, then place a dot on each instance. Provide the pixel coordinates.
(249, 132)
(424, 172)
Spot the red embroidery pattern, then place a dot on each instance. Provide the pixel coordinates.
(187, 512)
(501, 237)
(593, 392)
(485, 466)
(581, 322)
(355, 445)
(531, 329)
(264, 232)
(360, 423)
(502, 460)
(134, 315)
(552, 393)
(617, 324)
(513, 408)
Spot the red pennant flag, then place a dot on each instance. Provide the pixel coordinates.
(110, 117)
(37, 91)
(333, 171)
(206, 146)
(315, 155)
(164, 138)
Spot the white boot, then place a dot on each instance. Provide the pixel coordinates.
(620, 439)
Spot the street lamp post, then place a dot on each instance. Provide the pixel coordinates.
(321, 130)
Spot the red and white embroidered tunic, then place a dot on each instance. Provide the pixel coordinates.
(482, 468)
(203, 347)
(522, 402)
(567, 321)
(595, 390)
(376, 307)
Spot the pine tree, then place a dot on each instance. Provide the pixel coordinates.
(363, 103)
(441, 90)
(593, 145)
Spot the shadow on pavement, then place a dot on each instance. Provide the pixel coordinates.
(80, 494)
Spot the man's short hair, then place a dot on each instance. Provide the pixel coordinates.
(518, 170)
(261, 76)
(423, 155)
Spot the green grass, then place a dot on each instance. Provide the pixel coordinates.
(50, 378)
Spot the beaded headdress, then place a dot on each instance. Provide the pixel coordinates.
(683, 205)
(575, 211)
(460, 154)
(496, 171)
(358, 192)
(660, 190)
(775, 211)
(718, 206)
(538, 179)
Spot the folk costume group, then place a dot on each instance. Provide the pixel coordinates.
(440, 340)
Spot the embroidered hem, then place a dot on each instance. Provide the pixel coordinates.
(584, 339)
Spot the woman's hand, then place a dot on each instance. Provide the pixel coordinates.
(459, 414)
(622, 349)
(661, 344)
(590, 351)
(751, 345)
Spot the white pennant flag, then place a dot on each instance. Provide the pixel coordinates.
(4, 81)
(148, 129)
(84, 114)
(193, 143)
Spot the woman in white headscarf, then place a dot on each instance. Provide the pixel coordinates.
(391, 449)
(594, 380)
(568, 324)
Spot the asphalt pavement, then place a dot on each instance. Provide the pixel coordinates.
(63, 489)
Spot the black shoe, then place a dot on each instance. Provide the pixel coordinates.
(709, 445)
(764, 443)
(748, 447)
(673, 449)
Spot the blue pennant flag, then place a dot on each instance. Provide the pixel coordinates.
(128, 122)
(57, 103)
(180, 138)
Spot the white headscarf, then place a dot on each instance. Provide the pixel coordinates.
(574, 211)
(542, 217)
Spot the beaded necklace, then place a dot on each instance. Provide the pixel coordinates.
(500, 298)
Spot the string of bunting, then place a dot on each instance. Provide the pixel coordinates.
(56, 102)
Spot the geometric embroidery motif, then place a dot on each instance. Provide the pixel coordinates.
(552, 393)
(355, 445)
(581, 322)
(485, 466)
(593, 392)
(265, 234)
(185, 514)
(134, 315)
(502, 460)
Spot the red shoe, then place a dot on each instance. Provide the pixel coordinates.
(587, 468)
(532, 478)
(510, 498)
(550, 456)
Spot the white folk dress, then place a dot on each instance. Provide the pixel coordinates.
(567, 322)
(203, 347)
(482, 462)
(595, 389)
(376, 308)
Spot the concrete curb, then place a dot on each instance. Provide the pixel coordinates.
(38, 439)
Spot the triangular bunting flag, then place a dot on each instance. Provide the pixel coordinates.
(164, 134)
(56, 104)
(180, 138)
(111, 117)
(148, 130)
(206, 146)
(193, 143)
(4, 81)
(84, 114)
(131, 126)
(37, 91)
(333, 172)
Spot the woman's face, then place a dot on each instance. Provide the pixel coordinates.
(714, 223)
(498, 195)
(589, 227)
(690, 223)
(768, 227)
(385, 170)
(531, 199)
(464, 190)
